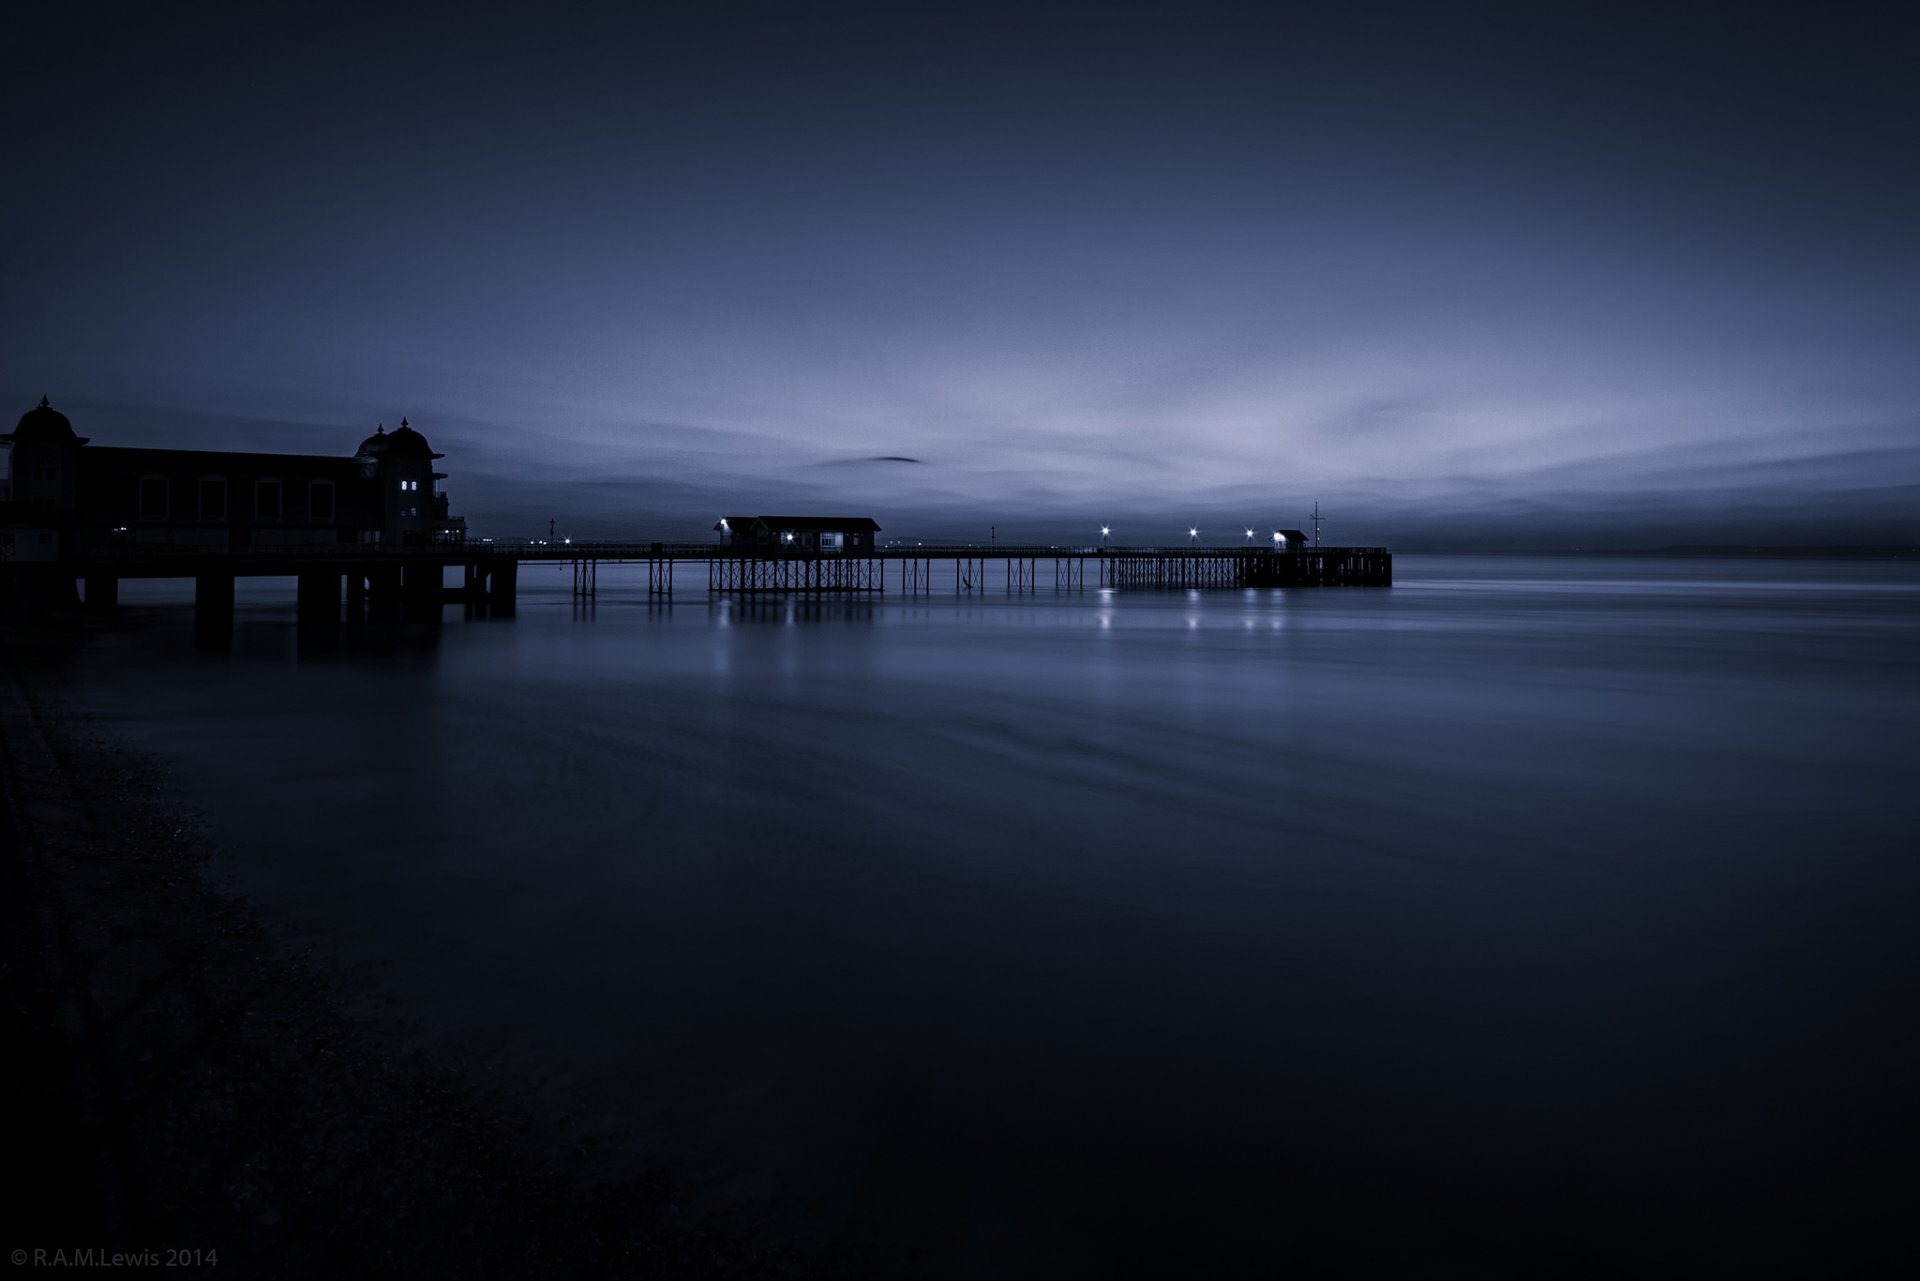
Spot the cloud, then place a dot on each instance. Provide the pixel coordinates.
(872, 458)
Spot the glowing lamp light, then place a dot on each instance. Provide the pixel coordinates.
(1278, 538)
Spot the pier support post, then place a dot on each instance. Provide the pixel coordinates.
(420, 590)
(506, 584)
(103, 593)
(383, 594)
(473, 587)
(213, 598)
(319, 598)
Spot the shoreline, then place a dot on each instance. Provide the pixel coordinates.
(182, 1083)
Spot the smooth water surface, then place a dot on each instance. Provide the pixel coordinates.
(1530, 910)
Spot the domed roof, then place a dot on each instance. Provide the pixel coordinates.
(402, 443)
(408, 443)
(44, 423)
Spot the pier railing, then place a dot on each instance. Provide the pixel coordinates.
(636, 550)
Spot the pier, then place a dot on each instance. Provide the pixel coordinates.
(370, 536)
(372, 584)
(963, 569)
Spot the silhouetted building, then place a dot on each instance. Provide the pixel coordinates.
(1296, 539)
(90, 495)
(827, 535)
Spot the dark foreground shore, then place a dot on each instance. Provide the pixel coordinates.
(183, 1090)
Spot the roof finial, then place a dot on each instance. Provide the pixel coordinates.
(381, 430)
(403, 420)
(43, 402)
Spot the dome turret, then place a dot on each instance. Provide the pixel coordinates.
(408, 443)
(403, 442)
(45, 424)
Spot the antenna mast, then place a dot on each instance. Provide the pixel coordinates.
(1316, 522)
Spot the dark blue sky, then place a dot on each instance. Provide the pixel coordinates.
(1470, 275)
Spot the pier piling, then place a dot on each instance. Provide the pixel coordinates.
(318, 599)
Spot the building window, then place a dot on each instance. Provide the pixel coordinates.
(213, 498)
(44, 475)
(266, 499)
(153, 498)
(320, 500)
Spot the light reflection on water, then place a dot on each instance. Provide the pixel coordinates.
(1092, 927)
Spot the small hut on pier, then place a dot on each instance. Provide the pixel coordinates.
(815, 535)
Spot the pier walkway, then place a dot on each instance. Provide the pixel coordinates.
(403, 583)
(923, 568)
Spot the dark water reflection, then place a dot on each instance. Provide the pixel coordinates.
(1528, 913)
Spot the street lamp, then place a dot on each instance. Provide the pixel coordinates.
(1278, 538)
(1192, 533)
(1249, 538)
(1104, 531)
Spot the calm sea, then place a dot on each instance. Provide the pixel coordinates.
(1554, 915)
